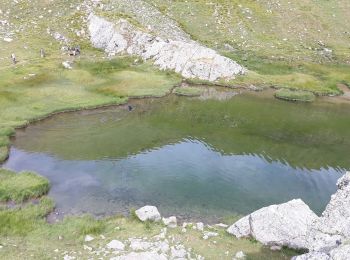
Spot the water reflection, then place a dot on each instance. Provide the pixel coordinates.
(192, 158)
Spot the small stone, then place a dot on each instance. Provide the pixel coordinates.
(210, 234)
(68, 257)
(148, 213)
(87, 248)
(67, 65)
(6, 39)
(170, 222)
(275, 248)
(240, 255)
(221, 225)
(89, 238)
(116, 244)
(200, 226)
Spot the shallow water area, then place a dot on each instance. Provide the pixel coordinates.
(191, 157)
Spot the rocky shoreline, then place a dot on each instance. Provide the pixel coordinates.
(294, 225)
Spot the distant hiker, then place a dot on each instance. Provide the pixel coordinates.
(13, 57)
(42, 53)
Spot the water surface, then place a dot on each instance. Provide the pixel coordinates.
(199, 159)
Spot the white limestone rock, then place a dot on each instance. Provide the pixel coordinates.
(340, 253)
(116, 244)
(282, 225)
(139, 245)
(170, 222)
(188, 58)
(312, 256)
(89, 238)
(333, 227)
(200, 226)
(67, 65)
(150, 213)
(240, 255)
(141, 255)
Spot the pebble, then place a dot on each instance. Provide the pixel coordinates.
(89, 238)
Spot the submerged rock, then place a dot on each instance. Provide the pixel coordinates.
(150, 213)
(281, 225)
(188, 58)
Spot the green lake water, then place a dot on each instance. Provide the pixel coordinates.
(197, 159)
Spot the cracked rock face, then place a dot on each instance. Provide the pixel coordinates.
(187, 58)
(281, 225)
(294, 225)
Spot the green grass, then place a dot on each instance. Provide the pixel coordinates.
(188, 91)
(19, 221)
(20, 187)
(4, 152)
(295, 95)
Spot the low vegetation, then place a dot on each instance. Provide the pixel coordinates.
(21, 187)
(25, 233)
(295, 95)
(188, 91)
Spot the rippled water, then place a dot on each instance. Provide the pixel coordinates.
(193, 158)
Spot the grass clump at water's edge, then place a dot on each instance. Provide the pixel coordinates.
(188, 91)
(295, 95)
(20, 187)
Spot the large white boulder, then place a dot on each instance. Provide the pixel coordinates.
(150, 213)
(282, 225)
(333, 227)
(186, 57)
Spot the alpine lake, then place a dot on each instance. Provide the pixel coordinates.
(204, 158)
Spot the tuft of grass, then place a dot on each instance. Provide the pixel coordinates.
(22, 186)
(295, 95)
(4, 153)
(8, 131)
(188, 91)
(4, 141)
(22, 220)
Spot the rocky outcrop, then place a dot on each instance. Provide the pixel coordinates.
(187, 58)
(148, 213)
(277, 225)
(294, 225)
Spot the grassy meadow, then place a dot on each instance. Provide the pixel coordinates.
(271, 40)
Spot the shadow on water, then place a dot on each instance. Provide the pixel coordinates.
(206, 158)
